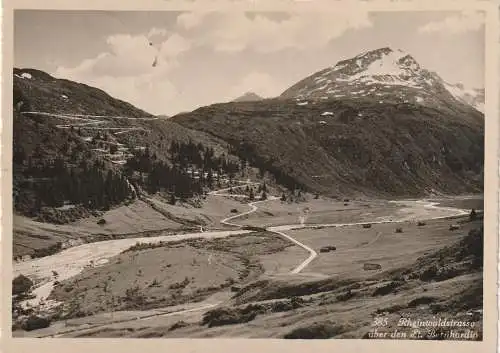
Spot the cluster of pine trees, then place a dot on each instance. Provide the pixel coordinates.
(90, 185)
(188, 168)
(247, 153)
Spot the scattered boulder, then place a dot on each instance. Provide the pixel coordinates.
(101, 222)
(328, 248)
(371, 267)
(367, 225)
(399, 230)
(386, 289)
(421, 224)
(234, 210)
(235, 288)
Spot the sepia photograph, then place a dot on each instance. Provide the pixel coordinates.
(253, 174)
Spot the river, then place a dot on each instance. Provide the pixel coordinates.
(72, 261)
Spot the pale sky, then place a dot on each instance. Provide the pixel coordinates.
(205, 58)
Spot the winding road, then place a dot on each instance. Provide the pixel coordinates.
(89, 121)
(115, 247)
(312, 254)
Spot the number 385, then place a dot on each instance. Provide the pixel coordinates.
(380, 321)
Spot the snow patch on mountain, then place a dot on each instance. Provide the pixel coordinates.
(383, 73)
(471, 96)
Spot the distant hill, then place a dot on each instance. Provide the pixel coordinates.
(248, 97)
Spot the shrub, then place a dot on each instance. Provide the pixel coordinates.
(296, 302)
(473, 245)
(345, 296)
(50, 250)
(228, 316)
(315, 331)
(386, 289)
(421, 301)
(35, 322)
(180, 285)
(429, 273)
(101, 222)
(368, 225)
(21, 285)
(421, 224)
(399, 230)
(177, 325)
(234, 210)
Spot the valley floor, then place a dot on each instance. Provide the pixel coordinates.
(242, 284)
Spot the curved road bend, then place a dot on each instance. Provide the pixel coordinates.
(277, 230)
(312, 254)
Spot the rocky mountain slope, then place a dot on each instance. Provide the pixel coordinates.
(376, 124)
(471, 96)
(386, 75)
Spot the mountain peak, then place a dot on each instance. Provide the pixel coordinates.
(248, 97)
(385, 74)
(383, 61)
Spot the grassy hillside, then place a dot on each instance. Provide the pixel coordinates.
(75, 146)
(353, 146)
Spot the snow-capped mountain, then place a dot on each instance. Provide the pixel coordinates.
(385, 75)
(471, 96)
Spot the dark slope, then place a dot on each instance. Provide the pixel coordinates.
(354, 145)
